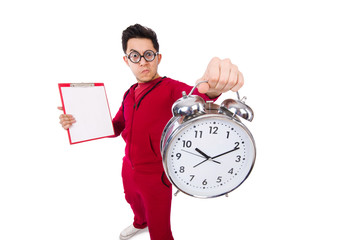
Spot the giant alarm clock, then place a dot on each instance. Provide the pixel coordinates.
(206, 149)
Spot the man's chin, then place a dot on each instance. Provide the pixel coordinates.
(144, 79)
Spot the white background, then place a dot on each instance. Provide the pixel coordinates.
(302, 66)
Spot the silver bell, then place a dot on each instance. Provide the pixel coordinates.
(232, 107)
(188, 105)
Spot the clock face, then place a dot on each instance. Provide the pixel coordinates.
(209, 156)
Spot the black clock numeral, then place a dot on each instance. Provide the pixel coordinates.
(231, 171)
(237, 144)
(178, 155)
(198, 134)
(238, 158)
(219, 179)
(182, 169)
(227, 134)
(204, 182)
(192, 177)
(213, 130)
(187, 144)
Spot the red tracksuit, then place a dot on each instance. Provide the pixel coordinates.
(141, 120)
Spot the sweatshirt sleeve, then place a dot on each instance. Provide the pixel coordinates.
(118, 122)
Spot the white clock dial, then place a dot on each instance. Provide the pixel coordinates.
(209, 157)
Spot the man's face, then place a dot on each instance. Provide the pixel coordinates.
(144, 71)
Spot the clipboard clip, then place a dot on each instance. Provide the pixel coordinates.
(82, 84)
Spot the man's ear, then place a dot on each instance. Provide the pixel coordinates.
(125, 59)
(159, 58)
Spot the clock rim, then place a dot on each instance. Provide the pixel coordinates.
(176, 125)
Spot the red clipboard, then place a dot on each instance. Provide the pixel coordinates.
(88, 103)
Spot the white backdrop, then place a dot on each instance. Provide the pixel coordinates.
(302, 66)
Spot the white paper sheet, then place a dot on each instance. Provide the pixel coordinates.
(89, 106)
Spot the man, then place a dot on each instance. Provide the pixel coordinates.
(145, 110)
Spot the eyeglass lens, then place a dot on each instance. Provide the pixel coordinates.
(148, 55)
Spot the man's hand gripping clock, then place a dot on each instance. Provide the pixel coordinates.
(221, 76)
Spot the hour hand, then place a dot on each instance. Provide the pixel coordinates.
(206, 156)
(202, 153)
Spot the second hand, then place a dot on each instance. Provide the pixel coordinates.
(192, 153)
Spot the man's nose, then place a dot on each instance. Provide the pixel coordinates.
(143, 61)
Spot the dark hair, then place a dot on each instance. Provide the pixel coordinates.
(139, 31)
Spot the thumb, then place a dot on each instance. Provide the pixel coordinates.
(202, 87)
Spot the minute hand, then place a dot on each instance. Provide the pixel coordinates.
(225, 153)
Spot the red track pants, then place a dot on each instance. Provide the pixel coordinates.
(150, 200)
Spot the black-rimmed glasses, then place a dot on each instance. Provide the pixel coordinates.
(148, 55)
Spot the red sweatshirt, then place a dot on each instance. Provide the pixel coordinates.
(141, 122)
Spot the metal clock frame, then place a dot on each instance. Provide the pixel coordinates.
(175, 127)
